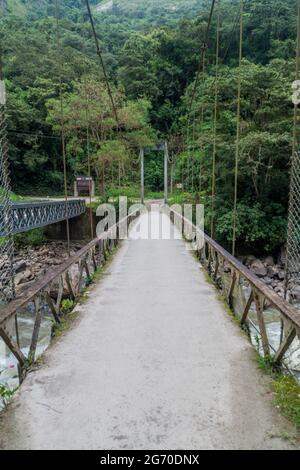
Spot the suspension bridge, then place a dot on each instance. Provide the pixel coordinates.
(152, 360)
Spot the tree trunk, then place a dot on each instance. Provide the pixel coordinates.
(102, 182)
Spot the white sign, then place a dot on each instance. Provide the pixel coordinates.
(2, 93)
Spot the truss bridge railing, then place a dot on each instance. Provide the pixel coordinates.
(28, 216)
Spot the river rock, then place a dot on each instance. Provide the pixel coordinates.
(23, 277)
(258, 268)
(268, 281)
(282, 256)
(269, 261)
(295, 293)
(56, 261)
(20, 266)
(249, 260)
(272, 271)
(32, 263)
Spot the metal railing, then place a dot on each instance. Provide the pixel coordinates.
(28, 216)
(66, 281)
(272, 323)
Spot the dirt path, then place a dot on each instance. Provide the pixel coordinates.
(154, 362)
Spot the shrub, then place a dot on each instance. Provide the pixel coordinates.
(31, 238)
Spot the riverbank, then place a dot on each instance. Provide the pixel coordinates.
(31, 263)
(271, 271)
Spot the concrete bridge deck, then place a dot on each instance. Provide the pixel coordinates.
(153, 362)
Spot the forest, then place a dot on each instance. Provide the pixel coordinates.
(152, 51)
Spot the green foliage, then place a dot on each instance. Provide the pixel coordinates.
(286, 390)
(256, 226)
(160, 11)
(131, 192)
(31, 238)
(151, 52)
(67, 305)
(5, 394)
(287, 398)
(12, 196)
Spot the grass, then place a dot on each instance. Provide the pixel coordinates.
(286, 390)
(5, 395)
(287, 398)
(67, 305)
(183, 198)
(58, 329)
(133, 193)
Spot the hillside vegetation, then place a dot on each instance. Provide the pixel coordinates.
(151, 50)
(152, 8)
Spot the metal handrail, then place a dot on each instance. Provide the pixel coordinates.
(211, 253)
(86, 261)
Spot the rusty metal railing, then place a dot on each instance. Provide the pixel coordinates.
(273, 323)
(66, 281)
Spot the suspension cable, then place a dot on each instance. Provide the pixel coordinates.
(201, 66)
(193, 148)
(99, 53)
(63, 137)
(238, 129)
(203, 52)
(213, 179)
(102, 64)
(87, 114)
(235, 24)
(202, 111)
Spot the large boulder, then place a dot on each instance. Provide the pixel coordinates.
(23, 277)
(268, 281)
(282, 256)
(258, 268)
(295, 293)
(249, 260)
(269, 261)
(272, 271)
(20, 266)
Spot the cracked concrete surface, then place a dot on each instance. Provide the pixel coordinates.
(153, 362)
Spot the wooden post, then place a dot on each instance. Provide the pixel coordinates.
(261, 322)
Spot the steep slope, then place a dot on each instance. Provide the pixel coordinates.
(150, 8)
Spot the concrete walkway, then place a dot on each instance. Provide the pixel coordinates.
(153, 362)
